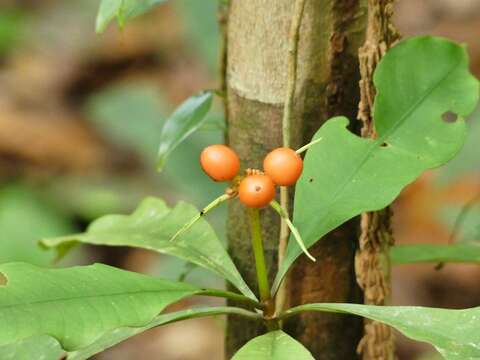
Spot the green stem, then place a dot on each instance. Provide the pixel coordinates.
(231, 296)
(202, 213)
(281, 295)
(260, 265)
(296, 235)
(306, 147)
(213, 311)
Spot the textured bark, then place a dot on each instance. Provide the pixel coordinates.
(372, 259)
(330, 35)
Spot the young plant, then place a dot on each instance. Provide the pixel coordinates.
(80, 311)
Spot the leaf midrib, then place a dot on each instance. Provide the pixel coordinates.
(83, 297)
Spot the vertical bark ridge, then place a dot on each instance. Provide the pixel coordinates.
(372, 259)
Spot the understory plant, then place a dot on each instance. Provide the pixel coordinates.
(79, 311)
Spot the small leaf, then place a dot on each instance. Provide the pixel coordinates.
(78, 305)
(344, 175)
(123, 10)
(427, 253)
(454, 333)
(275, 345)
(186, 119)
(152, 226)
(107, 11)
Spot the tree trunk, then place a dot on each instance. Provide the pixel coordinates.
(327, 85)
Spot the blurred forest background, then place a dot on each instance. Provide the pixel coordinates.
(80, 120)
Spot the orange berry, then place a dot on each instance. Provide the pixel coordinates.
(283, 165)
(256, 191)
(220, 162)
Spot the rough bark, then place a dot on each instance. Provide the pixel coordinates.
(330, 35)
(372, 259)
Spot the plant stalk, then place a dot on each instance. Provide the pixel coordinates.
(219, 200)
(258, 252)
(232, 296)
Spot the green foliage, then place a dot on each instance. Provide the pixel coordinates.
(24, 217)
(79, 304)
(454, 333)
(132, 116)
(47, 348)
(85, 310)
(275, 345)
(123, 10)
(37, 347)
(467, 161)
(345, 175)
(152, 227)
(114, 337)
(426, 253)
(186, 119)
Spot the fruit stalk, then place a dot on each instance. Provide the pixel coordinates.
(258, 252)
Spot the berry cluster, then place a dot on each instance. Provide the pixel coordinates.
(256, 189)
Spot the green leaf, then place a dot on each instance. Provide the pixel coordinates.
(274, 345)
(77, 305)
(186, 119)
(152, 227)
(344, 175)
(47, 348)
(123, 10)
(114, 337)
(38, 347)
(467, 161)
(424, 253)
(454, 333)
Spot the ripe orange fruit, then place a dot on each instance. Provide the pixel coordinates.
(283, 165)
(256, 191)
(220, 162)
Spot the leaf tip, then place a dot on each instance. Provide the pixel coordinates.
(100, 27)
(160, 163)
